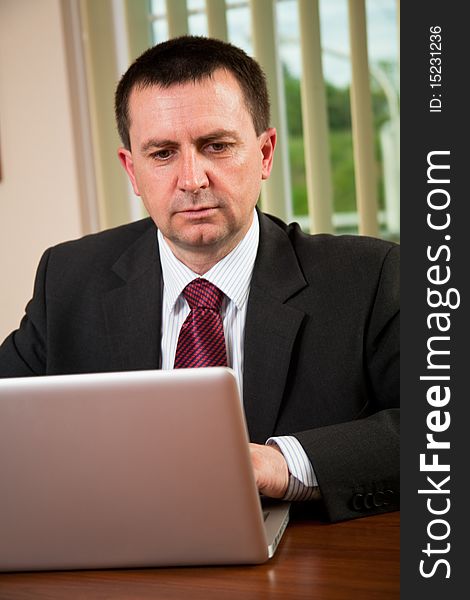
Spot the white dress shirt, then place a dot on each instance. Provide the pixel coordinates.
(232, 275)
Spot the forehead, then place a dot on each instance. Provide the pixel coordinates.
(215, 101)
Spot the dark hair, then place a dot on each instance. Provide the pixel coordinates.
(193, 58)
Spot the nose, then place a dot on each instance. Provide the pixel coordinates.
(192, 175)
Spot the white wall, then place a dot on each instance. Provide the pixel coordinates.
(39, 188)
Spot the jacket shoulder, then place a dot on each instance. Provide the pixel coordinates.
(332, 245)
(351, 259)
(113, 239)
(93, 259)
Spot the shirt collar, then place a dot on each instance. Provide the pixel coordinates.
(232, 274)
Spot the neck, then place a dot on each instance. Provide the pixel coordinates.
(201, 259)
(199, 262)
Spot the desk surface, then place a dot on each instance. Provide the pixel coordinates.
(357, 560)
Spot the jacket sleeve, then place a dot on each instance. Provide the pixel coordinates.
(23, 353)
(357, 463)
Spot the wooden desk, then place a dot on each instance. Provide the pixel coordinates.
(354, 560)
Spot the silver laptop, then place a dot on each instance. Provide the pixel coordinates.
(137, 469)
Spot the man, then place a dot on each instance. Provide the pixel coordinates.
(310, 322)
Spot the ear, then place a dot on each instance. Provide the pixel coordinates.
(125, 156)
(267, 144)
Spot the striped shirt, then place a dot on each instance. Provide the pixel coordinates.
(232, 275)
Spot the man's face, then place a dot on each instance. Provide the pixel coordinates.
(197, 163)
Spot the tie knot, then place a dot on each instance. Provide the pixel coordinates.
(201, 293)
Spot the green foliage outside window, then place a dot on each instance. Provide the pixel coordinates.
(341, 150)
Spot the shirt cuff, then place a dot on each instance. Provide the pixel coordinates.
(303, 484)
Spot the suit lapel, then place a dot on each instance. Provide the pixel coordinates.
(271, 329)
(133, 308)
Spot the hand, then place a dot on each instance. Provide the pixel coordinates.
(271, 472)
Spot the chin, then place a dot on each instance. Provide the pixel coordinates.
(204, 235)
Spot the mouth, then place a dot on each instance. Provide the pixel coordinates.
(198, 212)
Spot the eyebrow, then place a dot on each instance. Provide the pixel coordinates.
(155, 143)
(203, 139)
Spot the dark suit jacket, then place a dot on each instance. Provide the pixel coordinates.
(321, 342)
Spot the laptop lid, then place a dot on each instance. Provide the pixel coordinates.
(136, 469)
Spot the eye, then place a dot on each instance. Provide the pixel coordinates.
(162, 154)
(218, 147)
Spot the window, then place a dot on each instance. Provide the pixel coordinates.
(382, 39)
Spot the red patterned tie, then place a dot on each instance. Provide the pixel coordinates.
(201, 341)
